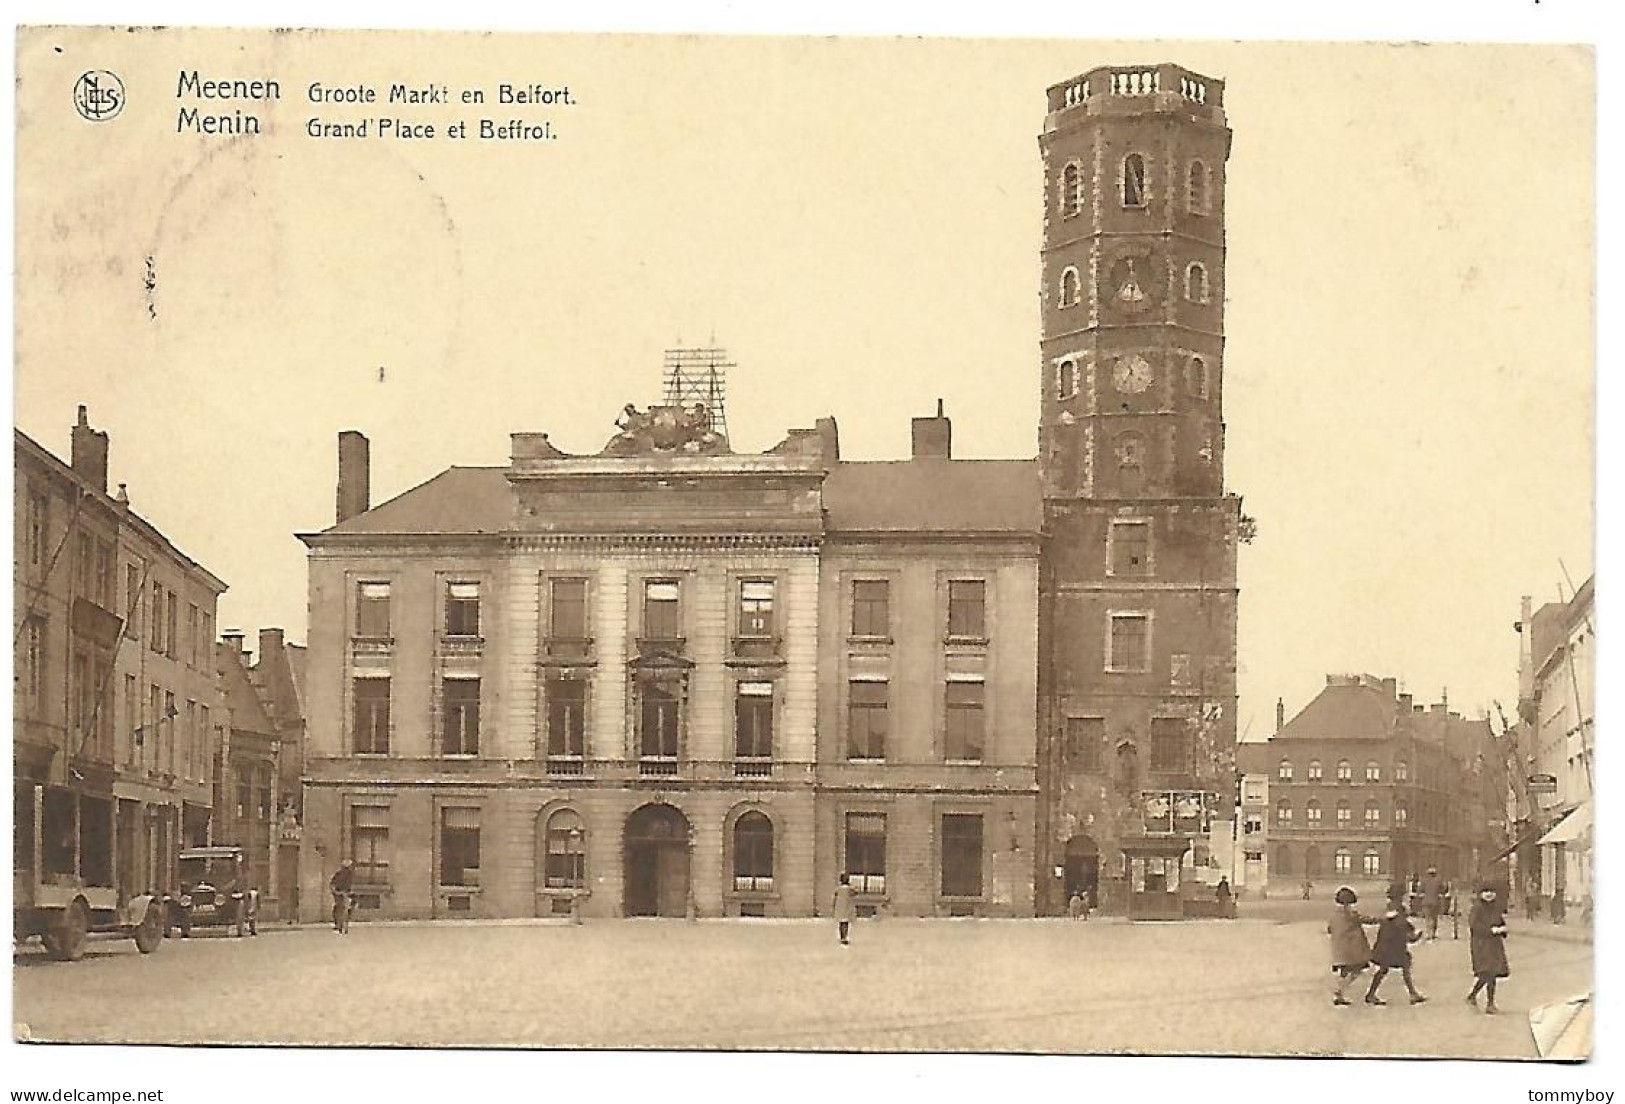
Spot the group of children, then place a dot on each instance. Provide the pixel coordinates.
(1352, 953)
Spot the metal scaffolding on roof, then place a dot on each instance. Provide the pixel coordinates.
(700, 376)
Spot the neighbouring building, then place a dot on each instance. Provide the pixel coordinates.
(116, 704)
(1137, 623)
(1369, 786)
(278, 674)
(670, 679)
(248, 772)
(1555, 738)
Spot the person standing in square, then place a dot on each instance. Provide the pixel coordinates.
(1488, 927)
(843, 909)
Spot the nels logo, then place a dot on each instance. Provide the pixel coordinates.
(98, 95)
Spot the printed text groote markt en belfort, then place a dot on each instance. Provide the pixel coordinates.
(399, 111)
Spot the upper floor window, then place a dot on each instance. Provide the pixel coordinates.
(370, 730)
(1373, 772)
(39, 517)
(1283, 812)
(566, 718)
(1134, 193)
(1170, 745)
(1128, 642)
(1130, 543)
(460, 716)
(132, 602)
(1402, 771)
(753, 723)
(1314, 770)
(756, 607)
(156, 637)
(1344, 814)
(871, 607)
(661, 610)
(1402, 815)
(567, 614)
(32, 650)
(1284, 771)
(1373, 815)
(1086, 744)
(1072, 186)
(866, 720)
(1343, 861)
(1371, 863)
(964, 723)
(659, 720)
(1345, 771)
(462, 609)
(372, 610)
(1311, 813)
(967, 609)
(1196, 282)
(1197, 194)
(1071, 287)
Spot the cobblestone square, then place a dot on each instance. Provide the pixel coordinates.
(1249, 986)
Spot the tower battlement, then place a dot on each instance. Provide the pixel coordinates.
(1161, 87)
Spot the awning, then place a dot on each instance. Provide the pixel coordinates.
(1574, 823)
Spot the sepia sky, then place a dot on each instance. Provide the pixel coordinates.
(1409, 320)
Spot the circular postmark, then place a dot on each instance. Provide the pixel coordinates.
(98, 95)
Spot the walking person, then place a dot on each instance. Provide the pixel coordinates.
(1487, 925)
(1393, 952)
(1351, 952)
(1432, 901)
(341, 882)
(843, 909)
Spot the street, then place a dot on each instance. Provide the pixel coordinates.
(1248, 986)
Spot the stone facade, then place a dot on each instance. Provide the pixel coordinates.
(606, 685)
(1137, 626)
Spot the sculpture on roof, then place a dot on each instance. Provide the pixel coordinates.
(663, 430)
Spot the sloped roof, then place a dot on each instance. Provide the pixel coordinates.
(1344, 712)
(934, 496)
(458, 500)
(242, 697)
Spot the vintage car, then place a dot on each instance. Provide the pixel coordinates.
(214, 892)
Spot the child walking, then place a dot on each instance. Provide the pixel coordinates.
(1393, 952)
(1351, 953)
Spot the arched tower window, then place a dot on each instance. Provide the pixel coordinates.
(1071, 190)
(1071, 287)
(1196, 378)
(1196, 282)
(1066, 378)
(1196, 199)
(1134, 181)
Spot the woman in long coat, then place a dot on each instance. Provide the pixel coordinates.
(1488, 926)
(1351, 952)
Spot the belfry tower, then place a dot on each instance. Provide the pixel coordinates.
(1137, 633)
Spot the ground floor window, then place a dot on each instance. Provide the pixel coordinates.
(1343, 861)
(566, 843)
(1372, 863)
(866, 852)
(961, 855)
(753, 853)
(369, 843)
(459, 847)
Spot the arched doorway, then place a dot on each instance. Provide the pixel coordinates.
(657, 862)
(1082, 863)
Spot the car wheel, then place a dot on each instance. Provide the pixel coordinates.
(150, 932)
(72, 932)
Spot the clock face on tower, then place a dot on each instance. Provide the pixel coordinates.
(1132, 374)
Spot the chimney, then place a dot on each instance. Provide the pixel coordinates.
(1390, 687)
(89, 456)
(829, 440)
(270, 643)
(933, 437)
(1280, 714)
(355, 476)
(1404, 703)
(233, 638)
